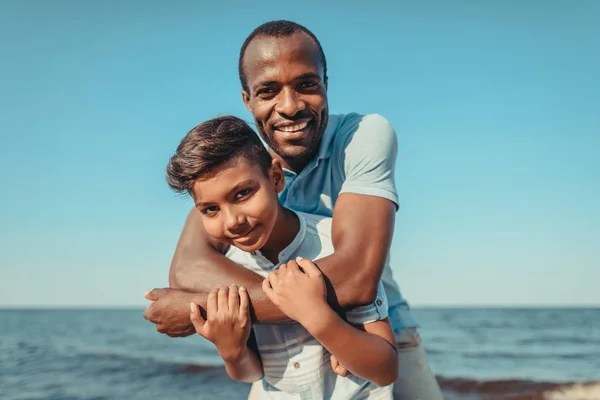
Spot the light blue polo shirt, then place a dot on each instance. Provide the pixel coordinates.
(357, 155)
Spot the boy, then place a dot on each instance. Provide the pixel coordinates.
(234, 182)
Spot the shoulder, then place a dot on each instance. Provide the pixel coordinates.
(362, 131)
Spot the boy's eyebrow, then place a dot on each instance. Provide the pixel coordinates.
(233, 189)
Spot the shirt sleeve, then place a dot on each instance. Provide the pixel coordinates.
(369, 159)
(376, 311)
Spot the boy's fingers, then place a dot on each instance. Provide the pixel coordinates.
(273, 279)
(244, 301)
(341, 371)
(281, 271)
(234, 299)
(266, 287)
(293, 267)
(309, 267)
(334, 362)
(211, 303)
(223, 298)
(196, 318)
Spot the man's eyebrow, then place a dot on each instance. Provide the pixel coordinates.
(308, 75)
(263, 83)
(233, 190)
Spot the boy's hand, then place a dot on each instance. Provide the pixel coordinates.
(337, 367)
(297, 290)
(227, 322)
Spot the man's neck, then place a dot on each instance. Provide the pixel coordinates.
(295, 164)
(283, 234)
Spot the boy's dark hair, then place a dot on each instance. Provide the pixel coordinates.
(281, 28)
(211, 144)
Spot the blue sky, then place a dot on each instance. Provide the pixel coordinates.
(496, 107)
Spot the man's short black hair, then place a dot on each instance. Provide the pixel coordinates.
(211, 144)
(281, 28)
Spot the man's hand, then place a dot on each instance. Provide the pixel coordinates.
(227, 322)
(170, 311)
(298, 290)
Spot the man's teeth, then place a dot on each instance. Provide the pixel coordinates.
(293, 128)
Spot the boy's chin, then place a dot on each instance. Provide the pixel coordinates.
(250, 247)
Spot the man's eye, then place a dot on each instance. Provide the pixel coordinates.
(307, 85)
(265, 92)
(242, 193)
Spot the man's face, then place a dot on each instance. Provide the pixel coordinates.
(239, 204)
(287, 95)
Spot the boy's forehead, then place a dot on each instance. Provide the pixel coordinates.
(224, 179)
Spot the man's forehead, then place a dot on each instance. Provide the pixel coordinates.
(265, 52)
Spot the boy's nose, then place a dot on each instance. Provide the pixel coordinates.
(234, 222)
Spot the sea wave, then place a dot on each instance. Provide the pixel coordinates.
(462, 388)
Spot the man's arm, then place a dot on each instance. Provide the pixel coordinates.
(363, 224)
(352, 271)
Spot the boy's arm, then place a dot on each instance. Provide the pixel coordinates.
(378, 364)
(245, 367)
(300, 292)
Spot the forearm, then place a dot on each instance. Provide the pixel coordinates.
(366, 355)
(245, 367)
(354, 269)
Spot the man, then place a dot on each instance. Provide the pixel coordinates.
(340, 166)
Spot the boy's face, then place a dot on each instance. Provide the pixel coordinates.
(239, 204)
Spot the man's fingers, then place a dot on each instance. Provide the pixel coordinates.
(211, 303)
(196, 318)
(309, 267)
(148, 314)
(234, 299)
(244, 301)
(153, 294)
(223, 298)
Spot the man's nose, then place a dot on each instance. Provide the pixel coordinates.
(289, 103)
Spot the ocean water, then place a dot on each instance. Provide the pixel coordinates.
(478, 353)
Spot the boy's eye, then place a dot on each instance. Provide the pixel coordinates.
(242, 193)
(211, 210)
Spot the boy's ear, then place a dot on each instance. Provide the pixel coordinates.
(277, 176)
(246, 100)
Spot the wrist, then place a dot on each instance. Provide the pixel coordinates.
(233, 355)
(318, 320)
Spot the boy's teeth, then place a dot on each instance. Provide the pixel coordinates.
(293, 128)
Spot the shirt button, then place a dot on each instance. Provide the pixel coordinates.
(296, 365)
(379, 302)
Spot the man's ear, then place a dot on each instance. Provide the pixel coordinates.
(276, 175)
(246, 100)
